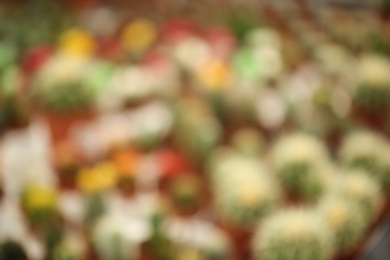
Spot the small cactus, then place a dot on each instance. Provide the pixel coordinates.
(248, 141)
(359, 188)
(373, 90)
(112, 240)
(344, 218)
(370, 152)
(243, 191)
(185, 192)
(295, 234)
(62, 85)
(297, 160)
(382, 173)
(360, 150)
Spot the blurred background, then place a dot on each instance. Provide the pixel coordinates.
(194, 130)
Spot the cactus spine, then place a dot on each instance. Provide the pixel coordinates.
(344, 219)
(295, 234)
(243, 191)
(297, 160)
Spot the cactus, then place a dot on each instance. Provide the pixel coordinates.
(243, 191)
(295, 234)
(40, 204)
(111, 239)
(373, 89)
(297, 160)
(370, 152)
(360, 150)
(61, 85)
(248, 141)
(198, 130)
(382, 173)
(185, 191)
(344, 219)
(359, 188)
(216, 246)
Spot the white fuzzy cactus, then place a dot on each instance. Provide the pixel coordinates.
(295, 234)
(244, 192)
(297, 160)
(359, 188)
(373, 86)
(344, 218)
(361, 149)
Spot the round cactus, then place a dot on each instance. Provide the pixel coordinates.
(248, 141)
(373, 89)
(360, 150)
(243, 191)
(113, 238)
(382, 173)
(344, 218)
(185, 192)
(359, 188)
(297, 160)
(295, 234)
(61, 84)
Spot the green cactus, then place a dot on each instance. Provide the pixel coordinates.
(216, 246)
(345, 220)
(373, 87)
(382, 171)
(295, 234)
(243, 191)
(185, 191)
(62, 84)
(360, 150)
(198, 131)
(298, 160)
(359, 188)
(248, 141)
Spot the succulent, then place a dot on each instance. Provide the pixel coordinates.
(294, 234)
(40, 204)
(345, 220)
(359, 188)
(382, 171)
(373, 89)
(243, 191)
(248, 141)
(198, 131)
(360, 150)
(185, 191)
(297, 160)
(62, 84)
(215, 246)
(111, 239)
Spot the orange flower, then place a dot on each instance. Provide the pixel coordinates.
(126, 162)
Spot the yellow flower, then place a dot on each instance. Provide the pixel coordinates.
(138, 35)
(77, 42)
(38, 197)
(215, 75)
(98, 178)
